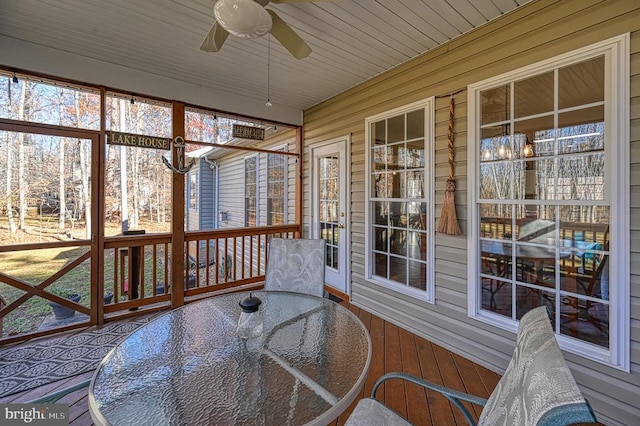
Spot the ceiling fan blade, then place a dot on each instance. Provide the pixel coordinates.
(288, 38)
(215, 38)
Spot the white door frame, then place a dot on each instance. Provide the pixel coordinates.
(345, 189)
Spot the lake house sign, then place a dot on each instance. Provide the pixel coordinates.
(142, 141)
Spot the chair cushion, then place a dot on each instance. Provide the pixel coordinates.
(537, 380)
(370, 412)
(296, 265)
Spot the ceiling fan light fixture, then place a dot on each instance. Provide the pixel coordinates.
(243, 18)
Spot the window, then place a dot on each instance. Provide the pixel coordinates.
(276, 188)
(193, 191)
(251, 191)
(399, 210)
(549, 153)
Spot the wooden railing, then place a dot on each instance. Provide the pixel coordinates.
(140, 274)
(230, 258)
(136, 269)
(136, 273)
(21, 290)
(503, 228)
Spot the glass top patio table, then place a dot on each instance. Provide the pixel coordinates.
(189, 366)
(539, 251)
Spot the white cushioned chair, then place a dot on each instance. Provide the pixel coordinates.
(537, 387)
(296, 265)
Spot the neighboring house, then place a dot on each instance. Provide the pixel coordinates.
(570, 69)
(200, 187)
(235, 189)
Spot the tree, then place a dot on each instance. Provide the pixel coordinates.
(22, 183)
(12, 223)
(62, 198)
(124, 206)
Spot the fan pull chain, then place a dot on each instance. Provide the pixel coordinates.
(268, 104)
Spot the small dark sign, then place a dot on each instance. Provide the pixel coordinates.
(248, 132)
(142, 141)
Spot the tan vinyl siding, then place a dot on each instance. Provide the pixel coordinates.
(538, 31)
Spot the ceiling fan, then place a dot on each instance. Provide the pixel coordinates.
(250, 19)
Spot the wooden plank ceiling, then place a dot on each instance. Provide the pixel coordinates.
(351, 40)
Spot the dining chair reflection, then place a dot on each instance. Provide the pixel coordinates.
(574, 310)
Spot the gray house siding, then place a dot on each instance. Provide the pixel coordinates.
(232, 191)
(201, 217)
(192, 215)
(206, 195)
(232, 185)
(540, 30)
(231, 196)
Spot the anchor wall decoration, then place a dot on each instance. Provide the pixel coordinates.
(179, 145)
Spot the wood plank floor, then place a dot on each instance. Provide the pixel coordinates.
(394, 349)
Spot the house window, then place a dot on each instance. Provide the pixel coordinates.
(193, 191)
(276, 188)
(548, 148)
(251, 191)
(399, 209)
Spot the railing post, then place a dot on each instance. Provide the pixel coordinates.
(177, 215)
(97, 215)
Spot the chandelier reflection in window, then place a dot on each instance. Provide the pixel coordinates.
(502, 147)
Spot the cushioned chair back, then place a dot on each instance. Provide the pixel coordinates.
(296, 265)
(537, 388)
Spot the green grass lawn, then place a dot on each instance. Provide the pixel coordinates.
(33, 267)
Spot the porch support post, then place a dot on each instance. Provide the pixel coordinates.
(97, 215)
(299, 170)
(177, 214)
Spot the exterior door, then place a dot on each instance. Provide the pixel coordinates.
(49, 203)
(329, 215)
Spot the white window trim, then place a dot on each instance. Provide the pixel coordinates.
(429, 294)
(283, 148)
(617, 167)
(244, 196)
